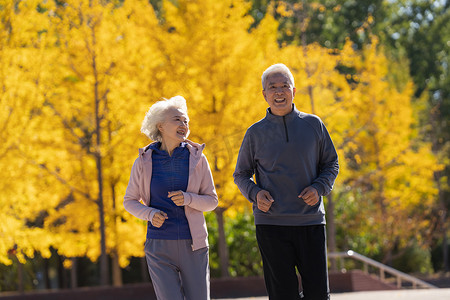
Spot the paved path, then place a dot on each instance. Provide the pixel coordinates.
(433, 294)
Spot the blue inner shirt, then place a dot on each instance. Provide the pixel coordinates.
(169, 173)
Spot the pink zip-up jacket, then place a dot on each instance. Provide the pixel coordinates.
(200, 195)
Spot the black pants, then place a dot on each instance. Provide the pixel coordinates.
(285, 248)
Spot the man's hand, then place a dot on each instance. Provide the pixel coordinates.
(310, 196)
(177, 197)
(264, 200)
(159, 218)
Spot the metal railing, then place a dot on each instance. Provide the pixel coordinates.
(399, 276)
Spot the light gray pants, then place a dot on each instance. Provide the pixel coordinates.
(177, 272)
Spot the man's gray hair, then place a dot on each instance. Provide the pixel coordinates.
(157, 113)
(276, 68)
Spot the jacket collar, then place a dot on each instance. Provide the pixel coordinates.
(274, 118)
(194, 149)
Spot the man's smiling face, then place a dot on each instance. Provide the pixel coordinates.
(279, 93)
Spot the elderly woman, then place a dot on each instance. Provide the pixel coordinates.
(172, 178)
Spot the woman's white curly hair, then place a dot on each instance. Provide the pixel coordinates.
(157, 113)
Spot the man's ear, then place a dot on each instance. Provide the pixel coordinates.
(294, 90)
(264, 94)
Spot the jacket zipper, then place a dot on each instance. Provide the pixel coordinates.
(173, 189)
(285, 129)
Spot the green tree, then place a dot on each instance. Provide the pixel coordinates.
(390, 169)
(422, 29)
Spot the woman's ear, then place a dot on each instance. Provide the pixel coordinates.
(160, 127)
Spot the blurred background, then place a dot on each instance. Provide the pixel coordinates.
(77, 77)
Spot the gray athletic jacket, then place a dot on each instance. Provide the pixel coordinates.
(287, 154)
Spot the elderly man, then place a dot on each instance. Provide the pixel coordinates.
(295, 163)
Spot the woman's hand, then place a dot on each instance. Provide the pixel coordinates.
(159, 218)
(177, 197)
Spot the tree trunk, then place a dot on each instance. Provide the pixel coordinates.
(62, 278)
(445, 249)
(443, 220)
(46, 272)
(74, 273)
(443, 204)
(116, 270)
(98, 160)
(223, 248)
(331, 230)
(103, 256)
(20, 277)
(144, 270)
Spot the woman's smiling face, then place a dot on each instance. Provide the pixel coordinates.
(175, 128)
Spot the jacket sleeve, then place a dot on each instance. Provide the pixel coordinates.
(132, 196)
(328, 164)
(206, 199)
(245, 169)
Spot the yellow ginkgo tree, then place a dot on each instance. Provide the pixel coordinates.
(23, 43)
(95, 100)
